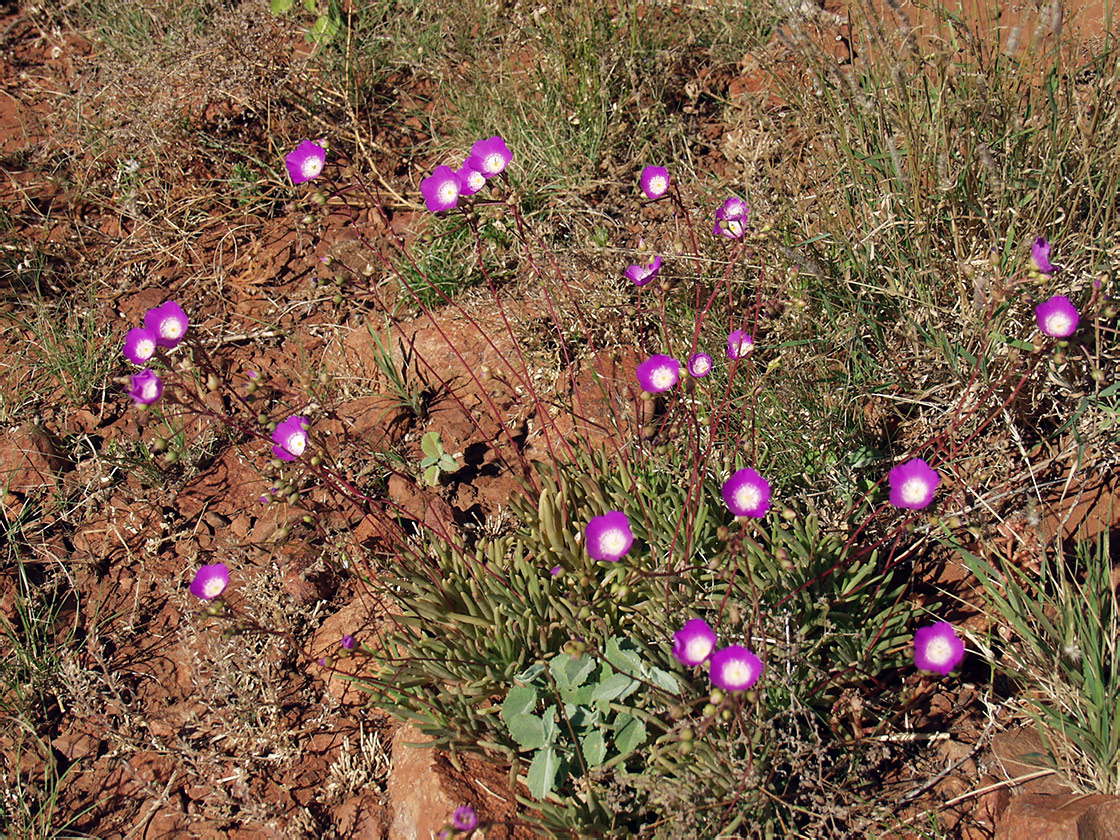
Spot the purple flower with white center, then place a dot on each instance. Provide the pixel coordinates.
(694, 642)
(655, 181)
(305, 162)
(490, 157)
(699, 365)
(734, 668)
(470, 180)
(290, 438)
(913, 484)
(1057, 317)
(733, 209)
(747, 493)
(349, 642)
(145, 387)
(937, 648)
(168, 323)
(1040, 255)
(441, 189)
(139, 345)
(210, 581)
(643, 274)
(658, 374)
(739, 345)
(730, 218)
(464, 818)
(609, 536)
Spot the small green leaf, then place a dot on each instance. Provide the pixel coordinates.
(542, 773)
(431, 475)
(521, 700)
(629, 733)
(309, 5)
(279, 7)
(447, 463)
(594, 748)
(527, 731)
(325, 29)
(431, 445)
(530, 673)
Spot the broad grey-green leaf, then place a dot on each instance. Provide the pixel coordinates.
(527, 731)
(548, 718)
(521, 700)
(614, 687)
(542, 772)
(663, 680)
(594, 748)
(570, 672)
(623, 655)
(629, 733)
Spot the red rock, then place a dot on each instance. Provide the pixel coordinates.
(421, 808)
(1056, 816)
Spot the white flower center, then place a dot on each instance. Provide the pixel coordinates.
(915, 491)
(612, 543)
(701, 366)
(1059, 324)
(939, 651)
(737, 672)
(698, 648)
(476, 180)
(311, 167)
(662, 378)
(658, 184)
(748, 497)
(145, 348)
(213, 587)
(734, 227)
(296, 443)
(171, 328)
(150, 389)
(494, 163)
(448, 191)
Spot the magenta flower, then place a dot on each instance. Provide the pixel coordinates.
(139, 345)
(470, 180)
(644, 274)
(305, 162)
(290, 438)
(739, 345)
(490, 157)
(609, 536)
(937, 648)
(658, 374)
(747, 493)
(441, 189)
(655, 181)
(1057, 317)
(734, 668)
(145, 387)
(1040, 254)
(168, 323)
(464, 818)
(731, 217)
(210, 581)
(913, 484)
(699, 365)
(349, 642)
(694, 642)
